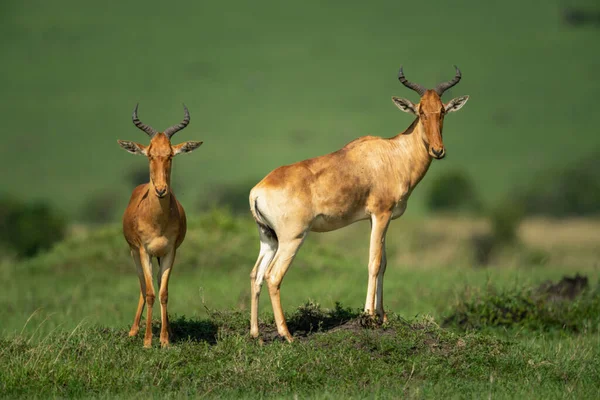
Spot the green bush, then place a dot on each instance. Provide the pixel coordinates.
(504, 220)
(453, 191)
(531, 308)
(100, 208)
(231, 196)
(28, 228)
(573, 191)
(137, 175)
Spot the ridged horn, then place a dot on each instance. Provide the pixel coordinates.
(442, 87)
(136, 121)
(176, 128)
(414, 86)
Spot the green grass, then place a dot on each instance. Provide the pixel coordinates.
(271, 83)
(416, 359)
(65, 317)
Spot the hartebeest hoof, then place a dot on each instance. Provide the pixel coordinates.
(164, 341)
(385, 318)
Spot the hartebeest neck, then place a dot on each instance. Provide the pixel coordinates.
(413, 158)
(158, 208)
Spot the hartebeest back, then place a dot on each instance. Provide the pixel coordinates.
(370, 178)
(154, 222)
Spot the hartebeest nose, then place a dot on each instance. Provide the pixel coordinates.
(161, 192)
(438, 153)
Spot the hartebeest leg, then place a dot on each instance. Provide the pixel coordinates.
(379, 295)
(268, 247)
(135, 328)
(146, 261)
(379, 224)
(165, 267)
(281, 262)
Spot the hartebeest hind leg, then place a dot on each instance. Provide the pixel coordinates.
(268, 247)
(379, 225)
(288, 248)
(165, 266)
(135, 328)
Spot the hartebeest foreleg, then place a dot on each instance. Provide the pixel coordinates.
(379, 295)
(146, 261)
(288, 248)
(165, 267)
(379, 225)
(135, 328)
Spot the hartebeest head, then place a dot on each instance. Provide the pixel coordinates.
(431, 111)
(160, 152)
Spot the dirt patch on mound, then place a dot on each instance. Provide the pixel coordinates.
(565, 289)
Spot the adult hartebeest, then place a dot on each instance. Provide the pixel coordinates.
(154, 222)
(370, 178)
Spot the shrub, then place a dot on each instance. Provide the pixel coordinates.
(137, 175)
(453, 191)
(573, 191)
(504, 219)
(100, 208)
(28, 228)
(567, 305)
(231, 196)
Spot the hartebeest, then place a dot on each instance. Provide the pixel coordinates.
(154, 222)
(370, 178)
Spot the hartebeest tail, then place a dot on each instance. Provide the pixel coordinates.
(370, 178)
(154, 222)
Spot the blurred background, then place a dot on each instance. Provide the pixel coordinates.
(271, 83)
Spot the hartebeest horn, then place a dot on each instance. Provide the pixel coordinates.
(414, 86)
(442, 87)
(136, 121)
(176, 128)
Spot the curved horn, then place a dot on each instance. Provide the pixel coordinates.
(136, 121)
(176, 128)
(414, 86)
(442, 87)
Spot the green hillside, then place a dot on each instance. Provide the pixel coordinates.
(271, 83)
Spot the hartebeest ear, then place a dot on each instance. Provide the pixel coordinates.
(185, 147)
(405, 105)
(456, 104)
(133, 148)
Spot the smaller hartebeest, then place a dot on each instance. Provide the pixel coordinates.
(370, 178)
(154, 222)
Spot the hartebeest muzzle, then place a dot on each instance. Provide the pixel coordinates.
(438, 153)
